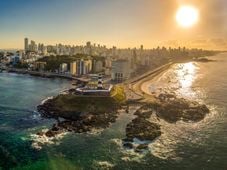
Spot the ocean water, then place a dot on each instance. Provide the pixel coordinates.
(201, 145)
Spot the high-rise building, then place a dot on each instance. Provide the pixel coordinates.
(120, 70)
(73, 68)
(81, 67)
(87, 66)
(84, 67)
(63, 68)
(97, 66)
(26, 46)
(33, 47)
(88, 49)
(134, 61)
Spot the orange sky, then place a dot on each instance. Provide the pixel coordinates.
(124, 23)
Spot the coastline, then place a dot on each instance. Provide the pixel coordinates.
(44, 74)
(140, 85)
(165, 106)
(144, 85)
(162, 107)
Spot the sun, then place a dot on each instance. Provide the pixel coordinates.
(187, 16)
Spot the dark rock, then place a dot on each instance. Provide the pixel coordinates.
(142, 146)
(180, 109)
(40, 133)
(145, 115)
(142, 129)
(128, 145)
(79, 118)
(55, 128)
(127, 140)
(51, 133)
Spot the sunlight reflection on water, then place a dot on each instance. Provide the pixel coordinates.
(178, 80)
(185, 76)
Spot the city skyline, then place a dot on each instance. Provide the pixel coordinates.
(114, 23)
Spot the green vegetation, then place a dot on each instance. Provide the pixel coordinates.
(53, 62)
(21, 65)
(118, 94)
(72, 103)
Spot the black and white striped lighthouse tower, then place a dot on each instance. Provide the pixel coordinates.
(100, 82)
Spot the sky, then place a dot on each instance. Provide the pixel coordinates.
(121, 23)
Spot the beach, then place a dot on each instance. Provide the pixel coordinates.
(140, 85)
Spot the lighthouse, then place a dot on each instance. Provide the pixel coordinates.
(100, 82)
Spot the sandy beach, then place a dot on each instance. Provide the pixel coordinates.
(140, 85)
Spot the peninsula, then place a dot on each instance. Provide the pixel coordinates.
(83, 113)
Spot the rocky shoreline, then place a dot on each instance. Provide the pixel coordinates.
(82, 114)
(79, 114)
(85, 123)
(166, 107)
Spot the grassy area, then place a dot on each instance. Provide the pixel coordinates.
(72, 102)
(53, 62)
(118, 94)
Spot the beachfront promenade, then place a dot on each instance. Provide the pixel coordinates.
(135, 87)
